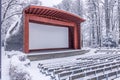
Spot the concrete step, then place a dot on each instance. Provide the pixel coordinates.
(55, 54)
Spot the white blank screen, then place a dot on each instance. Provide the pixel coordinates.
(47, 36)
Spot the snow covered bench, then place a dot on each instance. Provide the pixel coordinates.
(93, 75)
(94, 70)
(107, 68)
(112, 75)
(91, 68)
(77, 76)
(100, 57)
(51, 68)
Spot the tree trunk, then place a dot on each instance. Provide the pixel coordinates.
(119, 19)
(107, 18)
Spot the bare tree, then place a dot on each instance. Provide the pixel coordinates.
(11, 9)
(77, 7)
(64, 5)
(119, 19)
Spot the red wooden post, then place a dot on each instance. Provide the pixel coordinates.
(79, 36)
(26, 33)
(75, 38)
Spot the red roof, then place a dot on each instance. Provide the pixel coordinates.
(53, 13)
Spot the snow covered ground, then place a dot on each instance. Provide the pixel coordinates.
(36, 75)
(117, 79)
(34, 71)
(5, 66)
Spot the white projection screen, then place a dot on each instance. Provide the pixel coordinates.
(43, 36)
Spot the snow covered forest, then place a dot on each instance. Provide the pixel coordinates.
(102, 25)
(11, 13)
(101, 28)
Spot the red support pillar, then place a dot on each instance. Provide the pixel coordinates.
(71, 40)
(75, 38)
(79, 36)
(26, 33)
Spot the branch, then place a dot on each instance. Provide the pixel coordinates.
(10, 17)
(7, 8)
(102, 2)
(3, 3)
(15, 4)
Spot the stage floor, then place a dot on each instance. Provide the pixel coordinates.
(50, 54)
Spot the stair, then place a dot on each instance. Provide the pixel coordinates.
(55, 54)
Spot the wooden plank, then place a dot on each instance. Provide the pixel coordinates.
(51, 13)
(41, 12)
(56, 12)
(34, 11)
(46, 11)
(37, 11)
(30, 11)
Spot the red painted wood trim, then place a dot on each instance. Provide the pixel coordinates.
(50, 21)
(48, 49)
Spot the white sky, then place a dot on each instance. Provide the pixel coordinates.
(50, 2)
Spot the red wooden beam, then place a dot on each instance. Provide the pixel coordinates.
(31, 11)
(40, 12)
(46, 11)
(34, 11)
(52, 12)
(50, 21)
(49, 11)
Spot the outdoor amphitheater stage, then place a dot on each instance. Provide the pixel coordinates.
(50, 54)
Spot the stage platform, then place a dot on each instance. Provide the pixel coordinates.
(50, 54)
